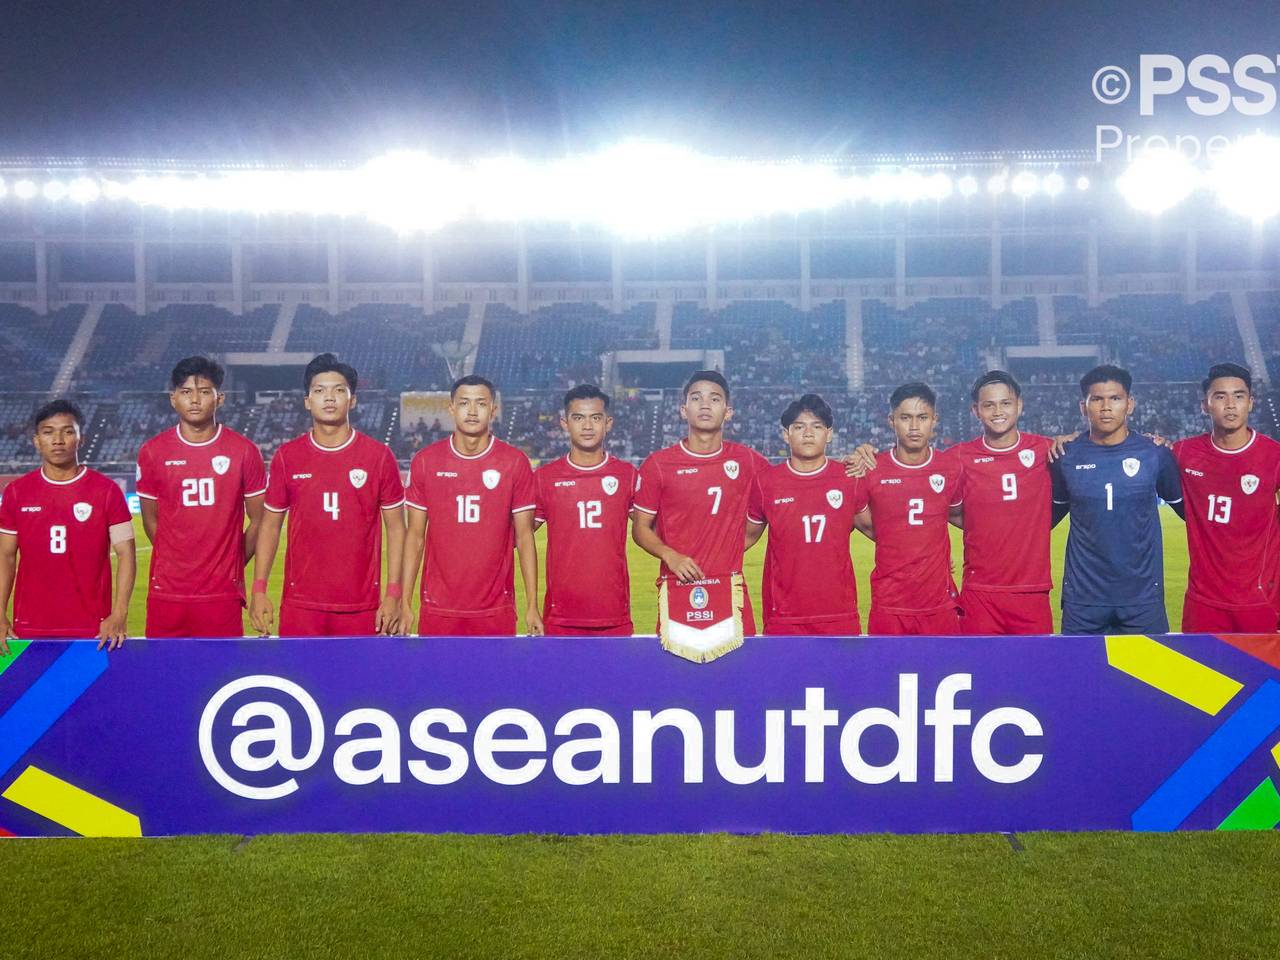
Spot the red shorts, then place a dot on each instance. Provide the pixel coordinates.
(499, 624)
(200, 618)
(936, 623)
(1200, 617)
(996, 613)
(556, 629)
(298, 621)
(748, 616)
(849, 626)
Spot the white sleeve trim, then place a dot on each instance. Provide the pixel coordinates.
(652, 513)
(256, 493)
(958, 503)
(392, 506)
(1062, 503)
(416, 506)
(1179, 500)
(751, 519)
(146, 496)
(529, 506)
(12, 533)
(276, 509)
(538, 519)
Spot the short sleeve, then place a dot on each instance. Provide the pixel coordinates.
(957, 474)
(390, 486)
(8, 513)
(759, 462)
(859, 496)
(539, 501)
(254, 477)
(145, 475)
(631, 477)
(648, 487)
(1059, 480)
(522, 494)
(117, 506)
(416, 494)
(277, 484)
(1168, 480)
(755, 503)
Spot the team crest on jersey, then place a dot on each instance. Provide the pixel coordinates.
(698, 598)
(358, 477)
(1248, 483)
(835, 498)
(490, 478)
(609, 485)
(937, 481)
(1027, 457)
(221, 465)
(731, 469)
(1131, 466)
(82, 511)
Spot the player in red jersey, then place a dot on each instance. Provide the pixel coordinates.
(59, 526)
(691, 501)
(196, 483)
(342, 490)
(912, 494)
(471, 503)
(811, 508)
(584, 498)
(1230, 479)
(1008, 512)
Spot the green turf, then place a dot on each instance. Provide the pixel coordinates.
(644, 570)
(1083, 895)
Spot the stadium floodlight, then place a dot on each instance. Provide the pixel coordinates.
(54, 190)
(409, 191)
(113, 189)
(997, 184)
(84, 190)
(883, 187)
(1025, 184)
(938, 187)
(4, 188)
(1082, 183)
(1244, 178)
(1053, 184)
(25, 189)
(1157, 180)
(968, 186)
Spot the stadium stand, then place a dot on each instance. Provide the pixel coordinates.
(33, 346)
(767, 342)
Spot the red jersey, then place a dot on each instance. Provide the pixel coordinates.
(199, 490)
(63, 528)
(469, 567)
(1008, 513)
(1233, 535)
(701, 502)
(586, 510)
(334, 497)
(909, 508)
(808, 573)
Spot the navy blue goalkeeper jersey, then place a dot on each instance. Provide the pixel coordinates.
(1115, 553)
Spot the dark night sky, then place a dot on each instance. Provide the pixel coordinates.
(285, 81)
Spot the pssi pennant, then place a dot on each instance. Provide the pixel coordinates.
(702, 620)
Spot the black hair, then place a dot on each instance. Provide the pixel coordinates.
(711, 376)
(913, 391)
(1107, 373)
(811, 403)
(1219, 370)
(585, 391)
(471, 380)
(56, 408)
(996, 376)
(197, 367)
(328, 363)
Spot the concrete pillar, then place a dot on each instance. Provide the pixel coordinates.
(522, 273)
(713, 280)
(428, 278)
(334, 274)
(141, 277)
(615, 276)
(1091, 266)
(806, 291)
(996, 267)
(900, 270)
(239, 278)
(1190, 276)
(42, 276)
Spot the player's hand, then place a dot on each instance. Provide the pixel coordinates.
(6, 631)
(533, 623)
(861, 462)
(406, 617)
(685, 568)
(112, 631)
(1059, 446)
(261, 613)
(1158, 440)
(387, 622)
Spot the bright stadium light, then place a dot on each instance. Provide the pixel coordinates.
(1082, 183)
(1157, 180)
(409, 191)
(997, 184)
(4, 188)
(968, 186)
(1025, 184)
(25, 189)
(54, 190)
(1054, 184)
(938, 186)
(113, 189)
(1244, 177)
(83, 190)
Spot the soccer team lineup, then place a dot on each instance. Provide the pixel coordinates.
(472, 511)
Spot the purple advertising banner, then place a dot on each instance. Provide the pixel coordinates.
(802, 735)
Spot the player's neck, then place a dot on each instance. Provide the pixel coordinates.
(198, 434)
(807, 464)
(912, 459)
(587, 458)
(331, 434)
(469, 446)
(1003, 441)
(1113, 439)
(60, 474)
(704, 441)
(1232, 439)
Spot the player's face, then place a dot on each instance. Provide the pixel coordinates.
(57, 440)
(1107, 407)
(196, 400)
(1228, 403)
(705, 406)
(587, 423)
(913, 421)
(330, 398)
(473, 409)
(807, 436)
(998, 409)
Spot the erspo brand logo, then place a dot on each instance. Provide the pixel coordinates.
(265, 751)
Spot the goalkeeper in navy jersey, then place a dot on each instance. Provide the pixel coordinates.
(1111, 481)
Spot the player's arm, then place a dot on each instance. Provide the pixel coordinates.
(149, 511)
(862, 523)
(955, 515)
(1059, 446)
(115, 627)
(861, 462)
(1169, 481)
(261, 613)
(8, 566)
(253, 509)
(527, 551)
(754, 532)
(646, 537)
(389, 620)
(1060, 495)
(415, 539)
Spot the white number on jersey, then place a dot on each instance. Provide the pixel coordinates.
(468, 507)
(915, 507)
(813, 527)
(1110, 501)
(331, 504)
(1219, 509)
(1009, 483)
(589, 514)
(197, 493)
(58, 539)
(714, 492)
